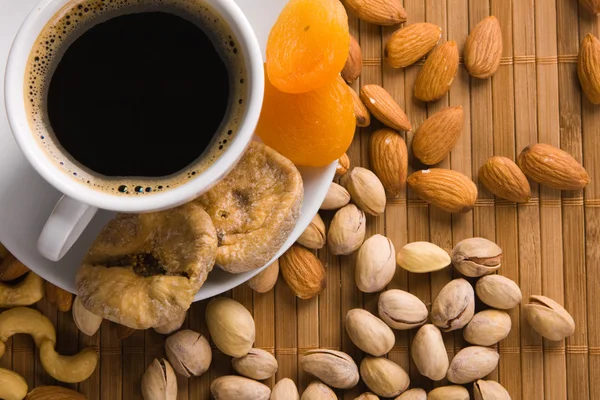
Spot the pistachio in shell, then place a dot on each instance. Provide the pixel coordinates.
(454, 306)
(422, 257)
(366, 190)
(369, 333)
(489, 390)
(375, 264)
(285, 389)
(172, 326)
(318, 391)
(413, 394)
(429, 352)
(476, 257)
(159, 381)
(367, 396)
(498, 291)
(266, 279)
(189, 352)
(383, 377)
(337, 197)
(548, 318)
(231, 387)
(452, 392)
(231, 326)
(258, 364)
(347, 230)
(401, 310)
(334, 368)
(313, 236)
(472, 363)
(487, 327)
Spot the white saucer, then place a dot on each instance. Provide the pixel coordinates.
(26, 200)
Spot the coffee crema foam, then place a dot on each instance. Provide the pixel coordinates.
(70, 23)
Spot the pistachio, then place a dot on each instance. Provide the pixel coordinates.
(258, 364)
(452, 392)
(159, 381)
(375, 264)
(285, 389)
(347, 230)
(337, 197)
(366, 190)
(334, 368)
(548, 318)
(413, 394)
(487, 327)
(189, 352)
(313, 236)
(318, 391)
(489, 390)
(230, 325)
(86, 322)
(369, 333)
(422, 257)
(476, 257)
(384, 377)
(454, 306)
(401, 310)
(172, 326)
(367, 396)
(498, 291)
(472, 363)
(231, 387)
(266, 279)
(429, 353)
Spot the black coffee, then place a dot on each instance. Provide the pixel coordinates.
(129, 96)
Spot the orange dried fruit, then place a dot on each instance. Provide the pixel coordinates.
(311, 129)
(308, 45)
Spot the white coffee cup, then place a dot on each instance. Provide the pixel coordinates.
(76, 208)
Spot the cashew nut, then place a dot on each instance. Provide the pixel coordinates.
(29, 291)
(70, 369)
(26, 320)
(12, 385)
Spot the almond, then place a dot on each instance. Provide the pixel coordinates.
(343, 165)
(353, 66)
(483, 48)
(363, 118)
(384, 107)
(502, 177)
(380, 12)
(408, 45)
(438, 72)
(59, 298)
(389, 160)
(592, 5)
(449, 190)
(436, 137)
(54, 393)
(588, 67)
(303, 272)
(11, 268)
(552, 167)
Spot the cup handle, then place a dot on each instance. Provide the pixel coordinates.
(64, 226)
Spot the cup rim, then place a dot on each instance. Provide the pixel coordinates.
(41, 162)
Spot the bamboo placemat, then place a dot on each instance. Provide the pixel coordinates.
(551, 244)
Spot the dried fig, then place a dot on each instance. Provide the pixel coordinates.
(254, 208)
(144, 269)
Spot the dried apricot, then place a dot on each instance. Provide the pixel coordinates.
(311, 129)
(308, 45)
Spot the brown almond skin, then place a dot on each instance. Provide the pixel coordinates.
(353, 66)
(449, 190)
(438, 72)
(363, 118)
(502, 177)
(552, 167)
(59, 298)
(483, 48)
(409, 44)
(588, 67)
(593, 6)
(383, 106)
(379, 12)
(436, 137)
(389, 160)
(303, 272)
